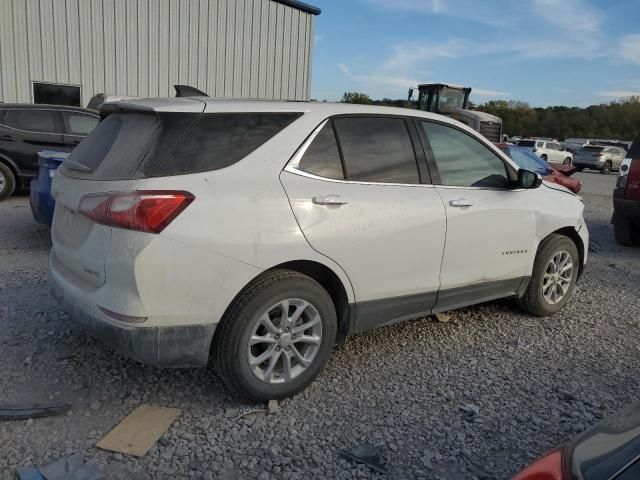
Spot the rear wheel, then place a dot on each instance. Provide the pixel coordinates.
(7, 181)
(606, 168)
(276, 337)
(567, 161)
(580, 169)
(625, 232)
(555, 272)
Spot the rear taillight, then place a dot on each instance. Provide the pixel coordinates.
(548, 467)
(144, 211)
(632, 187)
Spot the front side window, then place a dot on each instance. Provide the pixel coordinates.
(79, 124)
(462, 160)
(540, 144)
(32, 120)
(377, 149)
(322, 156)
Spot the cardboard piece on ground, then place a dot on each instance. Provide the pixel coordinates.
(139, 431)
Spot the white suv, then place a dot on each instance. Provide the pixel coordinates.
(262, 233)
(549, 151)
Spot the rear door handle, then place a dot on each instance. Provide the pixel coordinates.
(329, 200)
(460, 202)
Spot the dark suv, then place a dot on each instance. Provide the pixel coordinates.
(626, 199)
(27, 129)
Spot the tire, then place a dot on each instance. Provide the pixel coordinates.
(580, 169)
(7, 181)
(606, 168)
(625, 232)
(544, 157)
(567, 161)
(233, 353)
(534, 300)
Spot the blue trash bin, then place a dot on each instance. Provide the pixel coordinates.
(42, 203)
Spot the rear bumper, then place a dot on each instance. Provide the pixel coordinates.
(161, 346)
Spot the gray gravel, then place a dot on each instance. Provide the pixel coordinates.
(535, 382)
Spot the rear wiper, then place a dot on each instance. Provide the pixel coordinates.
(73, 165)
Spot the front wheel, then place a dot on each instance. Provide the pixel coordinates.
(554, 276)
(544, 157)
(276, 337)
(606, 168)
(7, 181)
(567, 161)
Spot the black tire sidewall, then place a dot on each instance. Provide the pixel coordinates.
(9, 181)
(547, 253)
(305, 289)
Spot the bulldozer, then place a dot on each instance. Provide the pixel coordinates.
(453, 101)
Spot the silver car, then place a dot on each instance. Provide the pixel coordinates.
(598, 157)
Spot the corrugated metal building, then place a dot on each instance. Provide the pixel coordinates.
(227, 48)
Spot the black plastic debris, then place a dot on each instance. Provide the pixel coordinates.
(368, 455)
(24, 412)
(67, 468)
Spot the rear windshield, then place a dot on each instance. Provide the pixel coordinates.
(526, 143)
(142, 145)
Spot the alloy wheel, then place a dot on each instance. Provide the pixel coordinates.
(3, 182)
(557, 277)
(284, 341)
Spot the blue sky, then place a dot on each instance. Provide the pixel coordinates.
(545, 52)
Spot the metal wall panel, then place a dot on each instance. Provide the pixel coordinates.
(227, 48)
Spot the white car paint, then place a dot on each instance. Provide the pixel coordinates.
(387, 241)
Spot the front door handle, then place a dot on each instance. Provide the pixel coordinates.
(329, 200)
(460, 202)
(7, 138)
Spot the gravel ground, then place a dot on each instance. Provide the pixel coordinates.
(537, 382)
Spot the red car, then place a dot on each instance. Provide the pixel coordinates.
(608, 451)
(530, 161)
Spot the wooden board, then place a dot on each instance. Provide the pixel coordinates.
(140, 430)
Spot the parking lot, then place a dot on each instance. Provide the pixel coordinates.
(536, 382)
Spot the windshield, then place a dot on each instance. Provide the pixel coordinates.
(529, 161)
(526, 143)
(451, 98)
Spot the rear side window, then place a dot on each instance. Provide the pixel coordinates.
(32, 120)
(322, 156)
(377, 149)
(219, 140)
(79, 124)
(634, 151)
(115, 148)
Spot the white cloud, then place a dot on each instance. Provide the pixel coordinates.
(480, 92)
(572, 15)
(412, 55)
(377, 79)
(412, 6)
(618, 93)
(629, 48)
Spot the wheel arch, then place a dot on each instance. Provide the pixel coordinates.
(332, 283)
(327, 278)
(12, 166)
(573, 235)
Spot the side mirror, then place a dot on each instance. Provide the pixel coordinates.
(528, 179)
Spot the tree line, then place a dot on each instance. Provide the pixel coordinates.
(619, 119)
